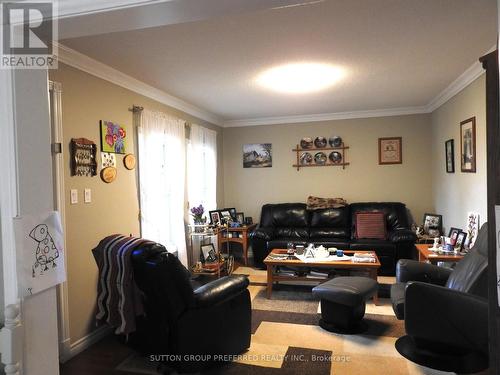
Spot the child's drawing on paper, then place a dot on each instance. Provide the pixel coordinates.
(40, 252)
(46, 251)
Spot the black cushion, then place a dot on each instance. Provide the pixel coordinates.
(292, 232)
(284, 215)
(329, 232)
(347, 290)
(398, 299)
(282, 243)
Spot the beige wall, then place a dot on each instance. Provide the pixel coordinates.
(114, 208)
(456, 194)
(248, 189)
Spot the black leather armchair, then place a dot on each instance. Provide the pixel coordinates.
(445, 311)
(184, 319)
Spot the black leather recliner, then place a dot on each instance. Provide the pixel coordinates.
(183, 319)
(445, 311)
(333, 227)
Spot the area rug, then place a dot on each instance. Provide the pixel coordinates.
(286, 339)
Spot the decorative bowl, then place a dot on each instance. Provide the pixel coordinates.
(306, 142)
(335, 157)
(320, 142)
(306, 158)
(320, 158)
(335, 141)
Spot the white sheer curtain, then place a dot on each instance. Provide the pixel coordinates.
(202, 168)
(162, 167)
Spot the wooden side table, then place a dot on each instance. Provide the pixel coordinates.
(424, 254)
(242, 233)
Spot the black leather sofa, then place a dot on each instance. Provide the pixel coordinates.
(333, 227)
(184, 319)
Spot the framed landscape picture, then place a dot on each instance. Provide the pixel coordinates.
(390, 150)
(257, 155)
(450, 155)
(468, 145)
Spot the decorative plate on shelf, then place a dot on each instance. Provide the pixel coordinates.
(335, 157)
(320, 142)
(306, 158)
(306, 142)
(320, 158)
(335, 141)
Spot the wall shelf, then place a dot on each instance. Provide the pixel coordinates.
(299, 151)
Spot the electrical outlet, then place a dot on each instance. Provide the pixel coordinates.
(74, 196)
(87, 196)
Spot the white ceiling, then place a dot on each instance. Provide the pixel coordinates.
(398, 53)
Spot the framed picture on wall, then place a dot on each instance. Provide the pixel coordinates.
(450, 155)
(468, 145)
(390, 150)
(257, 155)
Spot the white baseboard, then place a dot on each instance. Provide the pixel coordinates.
(80, 345)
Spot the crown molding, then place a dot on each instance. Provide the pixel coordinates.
(87, 64)
(325, 117)
(74, 8)
(464, 80)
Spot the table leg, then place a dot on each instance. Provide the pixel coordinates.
(269, 280)
(245, 248)
(373, 275)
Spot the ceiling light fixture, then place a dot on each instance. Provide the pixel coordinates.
(300, 78)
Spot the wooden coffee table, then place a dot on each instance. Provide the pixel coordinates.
(424, 254)
(273, 277)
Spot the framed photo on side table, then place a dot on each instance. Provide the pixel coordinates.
(449, 147)
(433, 223)
(468, 145)
(240, 217)
(460, 242)
(390, 150)
(208, 252)
(214, 217)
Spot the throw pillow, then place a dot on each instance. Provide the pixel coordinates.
(316, 203)
(371, 225)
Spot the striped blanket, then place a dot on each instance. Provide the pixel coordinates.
(119, 299)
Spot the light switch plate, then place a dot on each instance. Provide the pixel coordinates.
(74, 196)
(87, 196)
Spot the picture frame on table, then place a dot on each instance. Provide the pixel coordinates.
(460, 242)
(468, 145)
(225, 216)
(449, 147)
(208, 252)
(433, 222)
(214, 217)
(248, 220)
(390, 150)
(240, 217)
(232, 212)
(454, 231)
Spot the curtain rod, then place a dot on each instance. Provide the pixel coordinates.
(136, 108)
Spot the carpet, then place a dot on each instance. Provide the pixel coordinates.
(286, 339)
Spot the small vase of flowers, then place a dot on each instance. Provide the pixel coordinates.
(198, 218)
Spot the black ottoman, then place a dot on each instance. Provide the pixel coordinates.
(343, 302)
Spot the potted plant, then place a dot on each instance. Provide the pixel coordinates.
(198, 218)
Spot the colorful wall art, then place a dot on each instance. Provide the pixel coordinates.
(113, 138)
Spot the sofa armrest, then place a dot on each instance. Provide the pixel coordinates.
(446, 317)
(263, 233)
(220, 290)
(402, 235)
(412, 270)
